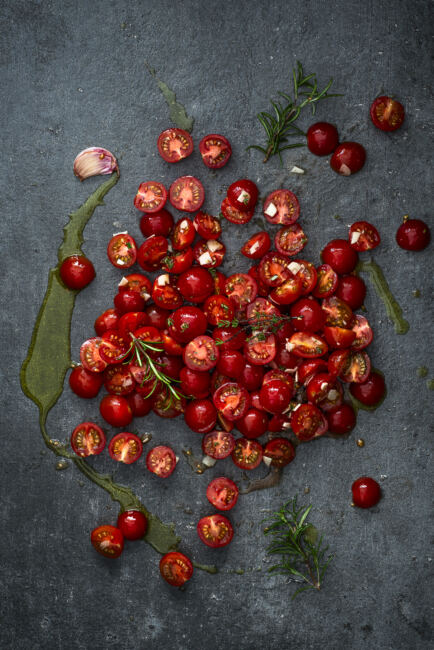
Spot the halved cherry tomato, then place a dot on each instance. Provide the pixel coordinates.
(243, 195)
(215, 150)
(215, 531)
(363, 236)
(174, 145)
(260, 311)
(115, 410)
(256, 247)
(348, 158)
(387, 114)
(165, 405)
(247, 454)
(218, 308)
(183, 234)
(151, 252)
(281, 207)
(108, 541)
(88, 439)
(125, 447)
(187, 322)
(287, 292)
(327, 281)
(77, 271)
(307, 273)
(209, 253)
(307, 422)
(132, 524)
(260, 348)
(122, 250)
(307, 369)
(196, 284)
(319, 386)
(352, 290)
(118, 380)
(84, 383)
(165, 293)
(241, 289)
(187, 194)
(340, 255)
(90, 357)
(222, 493)
(372, 391)
(307, 345)
(151, 197)
(207, 226)
(150, 334)
(337, 362)
(274, 269)
(114, 346)
(200, 415)
(357, 368)
(218, 444)
(280, 450)
(201, 353)
(137, 282)
(176, 568)
(336, 312)
(108, 320)
(178, 262)
(329, 398)
(157, 223)
(219, 281)
(131, 321)
(363, 333)
(232, 400)
(290, 240)
(233, 214)
(339, 338)
(161, 460)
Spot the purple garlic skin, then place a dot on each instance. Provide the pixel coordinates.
(94, 162)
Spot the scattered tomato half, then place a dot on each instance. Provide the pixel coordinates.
(363, 236)
(281, 207)
(176, 568)
(174, 145)
(215, 150)
(308, 422)
(88, 439)
(151, 197)
(207, 226)
(256, 247)
(366, 492)
(215, 531)
(122, 251)
(290, 240)
(132, 524)
(222, 493)
(108, 541)
(187, 194)
(233, 214)
(281, 451)
(387, 114)
(77, 271)
(161, 460)
(247, 454)
(218, 444)
(125, 447)
(90, 357)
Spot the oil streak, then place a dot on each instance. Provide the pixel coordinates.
(177, 111)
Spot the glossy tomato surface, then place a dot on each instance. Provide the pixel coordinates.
(222, 493)
(125, 447)
(84, 383)
(108, 541)
(366, 492)
(247, 454)
(387, 114)
(348, 158)
(77, 271)
(322, 138)
(176, 568)
(132, 524)
(243, 195)
(413, 235)
(281, 207)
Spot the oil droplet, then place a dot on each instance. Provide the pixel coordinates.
(62, 464)
(307, 490)
(239, 572)
(360, 442)
(422, 371)
(430, 384)
(416, 293)
(209, 568)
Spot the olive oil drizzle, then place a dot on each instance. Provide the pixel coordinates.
(48, 359)
(382, 288)
(177, 111)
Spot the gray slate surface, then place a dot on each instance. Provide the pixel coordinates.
(73, 76)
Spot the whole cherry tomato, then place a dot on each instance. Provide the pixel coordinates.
(348, 158)
(322, 138)
(413, 235)
(132, 524)
(84, 383)
(77, 271)
(366, 492)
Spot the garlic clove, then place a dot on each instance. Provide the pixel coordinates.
(93, 162)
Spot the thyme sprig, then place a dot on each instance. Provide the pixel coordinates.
(303, 556)
(281, 126)
(259, 324)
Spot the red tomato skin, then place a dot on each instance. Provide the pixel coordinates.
(340, 256)
(115, 410)
(352, 290)
(369, 237)
(196, 284)
(174, 145)
(108, 320)
(91, 442)
(366, 492)
(386, 113)
(193, 357)
(84, 383)
(215, 150)
(348, 158)
(261, 243)
(195, 194)
(251, 377)
(231, 363)
(322, 138)
(342, 419)
(186, 323)
(280, 450)
(76, 272)
(200, 415)
(243, 195)
(255, 453)
(129, 440)
(176, 568)
(372, 391)
(339, 338)
(122, 251)
(126, 301)
(230, 492)
(288, 207)
(222, 400)
(157, 316)
(139, 405)
(218, 444)
(253, 424)
(132, 524)
(413, 235)
(158, 223)
(194, 383)
(275, 396)
(108, 541)
(311, 314)
(233, 214)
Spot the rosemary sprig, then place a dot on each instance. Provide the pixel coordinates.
(281, 126)
(303, 556)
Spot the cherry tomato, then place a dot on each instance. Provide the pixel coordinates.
(219, 279)
(176, 568)
(115, 410)
(132, 524)
(260, 311)
(88, 439)
(253, 424)
(363, 236)
(151, 197)
(186, 323)
(232, 338)
(108, 541)
(165, 293)
(281, 452)
(234, 214)
(215, 531)
(241, 289)
(183, 234)
(256, 247)
(339, 338)
(122, 251)
(357, 368)
(84, 383)
(352, 290)
(218, 444)
(108, 320)
(90, 357)
(308, 315)
(281, 207)
(201, 353)
(386, 113)
(307, 345)
(222, 493)
(231, 363)
(232, 400)
(178, 262)
(275, 395)
(307, 422)
(372, 391)
(200, 415)
(187, 194)
(322, 138)
(149, 334)
(174, 145)
(366, 492)
(243, 195)
(151, 252)
(165, 405)
(336, 312)
(348, 158)
(307, 369)
(247, 454)
(158, 223)
(127, 300)
(207, 226)
(218, 308)
(285, 359)
(341, 419)
(340, 256)
(139, 405)
(194, 383)
(125, 447)
(161, 460)
(287, 292)
(274, 269)
(260, 348)
(290, 240)
(131, 321)
(327, 281)
(157, 316)
(252, 376)
(210, 253)
(118, 380)
(308, 275)
(77, 271)
(215, 150)
(363, 333)
(413, 235)
(196, 284)
(337, 362)
(136, 282)
(114, 346)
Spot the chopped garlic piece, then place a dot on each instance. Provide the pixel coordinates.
(208, 461)
(123, 282)
(255, 247)
(296, 170)
(183, 226)
(214, 245)
(287, 425)
(324, 385)
(294, 267)
(296, 407)
(267, 461)
(332, 394)
(243, 197)
(205, 258)
(124, 232)
(355, 236)
(146, 296)
(289, 346)
(271, 210)
(345, 170)
(162, 280)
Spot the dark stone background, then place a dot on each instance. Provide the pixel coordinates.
(73, 76)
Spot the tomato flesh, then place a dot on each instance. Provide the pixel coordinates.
(215, 150)
(290, 240)
(108, 541)
(125, 447)
(234, 214)
(201, 353)
(215, 531)
(241, 289)
(232, 400)
(281, 452)
(161, 460)
(307, 422)
(187, 194)
(222, 493)
(176, 568)
(151, 197)
(122, 251)
(88, 439)
(90, 356)
(281, 207)
(247, 454)
(363, 236)
(174, 145)
(387, 114)
(218, 444)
